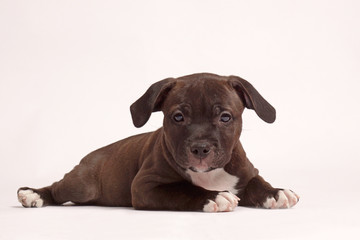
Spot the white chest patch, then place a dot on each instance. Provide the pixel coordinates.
(215, 180)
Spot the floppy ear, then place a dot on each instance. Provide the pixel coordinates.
(252, 99)
(150, 102)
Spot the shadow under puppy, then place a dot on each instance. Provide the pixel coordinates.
(195, 162)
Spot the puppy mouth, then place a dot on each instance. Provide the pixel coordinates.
(194, 169)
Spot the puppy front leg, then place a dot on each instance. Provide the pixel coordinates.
(181, 196)
(259, 193)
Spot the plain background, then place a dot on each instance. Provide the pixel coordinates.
(69, 71)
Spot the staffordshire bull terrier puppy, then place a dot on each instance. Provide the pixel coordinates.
(195, 162)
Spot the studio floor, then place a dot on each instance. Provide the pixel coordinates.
(315, 217)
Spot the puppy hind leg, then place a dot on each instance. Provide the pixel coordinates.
(74, 190)
(57, 194)
(78, 186)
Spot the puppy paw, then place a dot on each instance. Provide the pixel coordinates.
(28, 198)
(284, 199)
(224, 202)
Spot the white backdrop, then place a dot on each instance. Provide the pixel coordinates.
(69, 71)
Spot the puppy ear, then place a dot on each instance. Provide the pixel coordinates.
(150, 102)
(252, 99)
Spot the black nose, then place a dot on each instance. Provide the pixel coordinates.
(200, 150)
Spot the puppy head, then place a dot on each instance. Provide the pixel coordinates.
(202, 116)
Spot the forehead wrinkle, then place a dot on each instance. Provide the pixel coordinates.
(208, 93)
(202, 95)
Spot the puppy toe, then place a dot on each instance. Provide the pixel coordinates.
(292, 197)
(270, 203)
(211, 206)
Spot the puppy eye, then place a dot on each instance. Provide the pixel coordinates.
(178, 117)
(225, 117)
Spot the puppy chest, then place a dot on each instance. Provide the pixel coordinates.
(215, 180)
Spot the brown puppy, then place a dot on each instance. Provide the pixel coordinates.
(194, 162)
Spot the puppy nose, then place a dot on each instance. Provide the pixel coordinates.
(200, 150)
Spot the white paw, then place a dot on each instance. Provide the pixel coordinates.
(224, 202)
(30, 199)
(286, 199)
